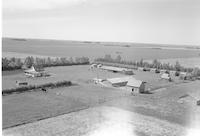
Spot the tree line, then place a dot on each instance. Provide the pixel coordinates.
(154, 64)
(18, 63)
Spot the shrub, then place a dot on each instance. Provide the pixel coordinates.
(32, 87)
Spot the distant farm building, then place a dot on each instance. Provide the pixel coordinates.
(140, 68)
(117, 69)
(130, 83)
(93, 66)
(33, 73)
(166, 76)
(118, 82)
(183, 75)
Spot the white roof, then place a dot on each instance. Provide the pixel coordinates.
(131, 81)
(134, 83)
(118, 80)
(31, 70)
(165, 76)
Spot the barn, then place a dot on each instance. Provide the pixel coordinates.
(118, 82)
(129, 82)
(118, 69)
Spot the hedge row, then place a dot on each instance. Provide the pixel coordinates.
(32, 87)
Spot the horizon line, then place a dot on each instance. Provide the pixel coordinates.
(94, 41)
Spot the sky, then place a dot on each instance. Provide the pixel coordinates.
(141, 21)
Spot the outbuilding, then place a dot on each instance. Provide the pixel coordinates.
(118, 82)
(118, 69)
(136, 86)
(166, 76)
(32, 72)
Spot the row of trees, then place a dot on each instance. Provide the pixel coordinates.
(17, 63)
(155, 64)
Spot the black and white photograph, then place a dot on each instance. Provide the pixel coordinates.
(100, 67)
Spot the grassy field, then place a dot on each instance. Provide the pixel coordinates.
(87, 104)
(79, 74)
(32, 106)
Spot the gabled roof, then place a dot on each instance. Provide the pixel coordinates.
(134, 83)
(118, 80)
(31, 70)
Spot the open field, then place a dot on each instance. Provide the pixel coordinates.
(53, 48)
(144, 114)
(36, 105)
(79, 74)
(91, 109)
(71, 73)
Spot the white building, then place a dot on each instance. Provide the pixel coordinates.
(130, 83)
(165, 76)
(32, 72)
